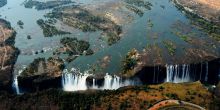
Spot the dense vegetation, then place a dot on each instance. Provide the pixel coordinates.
(140, 3)
(130, 61)
(213, 29)
(137, 6)
(74, 48)
(41, 66)
(84, 20)
(139, 98)
(45, 5)
(135, 10)
(49, 30)
(33, 67)
(170, 46)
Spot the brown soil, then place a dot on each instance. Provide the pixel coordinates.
(8, 54)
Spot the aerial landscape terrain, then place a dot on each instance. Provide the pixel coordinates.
(110, 54)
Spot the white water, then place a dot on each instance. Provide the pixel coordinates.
(75, 80)
(178, 73)
(15, 82)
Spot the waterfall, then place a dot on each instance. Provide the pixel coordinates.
(75, 80)
(15, 82)
(177, 73)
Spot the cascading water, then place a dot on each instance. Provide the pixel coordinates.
(15, 79)
(115, 82)
(178, 73)
(15, 82)
(74, 81)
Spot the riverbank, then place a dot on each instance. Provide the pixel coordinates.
(207, 9)
(203, 14)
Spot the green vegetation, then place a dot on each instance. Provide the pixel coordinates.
(136, 5)
(74, 46)
(128, 97)
(84, 20)
(33, 67)
(149, 23)
(140, 3)
(20, 23)
(183, 36)
(49, 30)
(28, 36)
(45, 5)
(170, 46)
(130, 61)
(135, 10)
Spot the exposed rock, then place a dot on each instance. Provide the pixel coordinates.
(8, 54)
(42, 74)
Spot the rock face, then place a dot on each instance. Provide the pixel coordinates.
(204, 71)
(42, 74)
(8, 54)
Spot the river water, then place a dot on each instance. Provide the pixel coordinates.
(136, 34)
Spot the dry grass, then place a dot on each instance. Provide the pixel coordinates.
(145, 96)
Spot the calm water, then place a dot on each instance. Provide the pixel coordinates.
(136, 34)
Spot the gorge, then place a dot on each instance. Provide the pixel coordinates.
(109, 54)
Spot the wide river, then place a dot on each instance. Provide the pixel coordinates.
(136, 34)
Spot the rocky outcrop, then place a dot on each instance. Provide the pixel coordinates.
(41, 74)
(204, 14)
(217, 90)
(8, 54)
